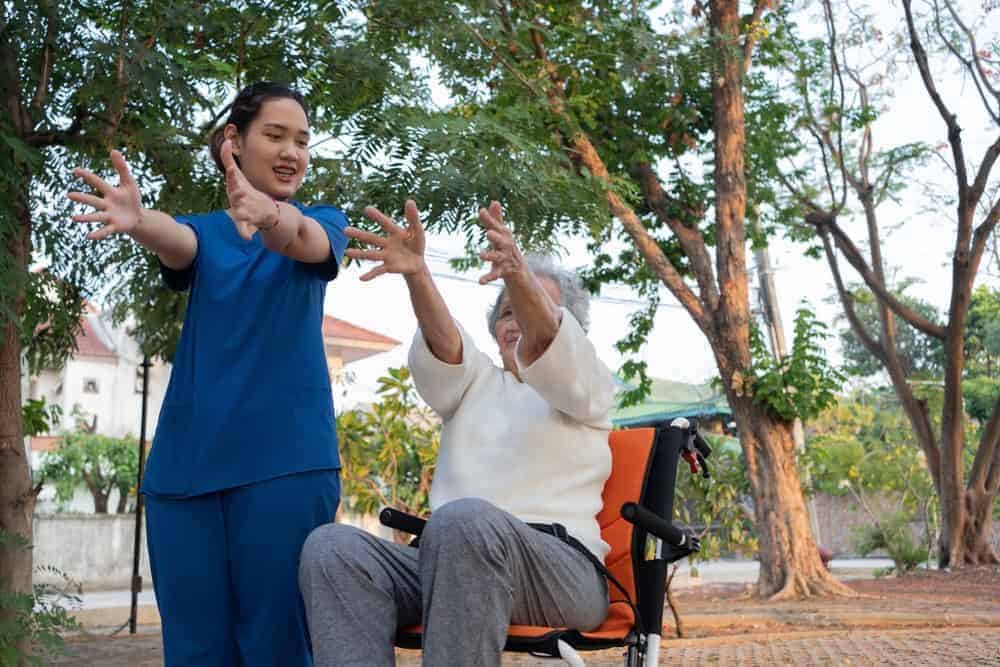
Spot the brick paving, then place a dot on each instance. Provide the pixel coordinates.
(931, 647)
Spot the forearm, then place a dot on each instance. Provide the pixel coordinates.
(434, 318)
(536, 314)
(296, 236)
(174, 243)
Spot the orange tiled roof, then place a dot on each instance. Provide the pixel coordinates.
(334, 328)
(88, 344)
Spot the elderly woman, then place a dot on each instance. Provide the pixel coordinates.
(523, 448)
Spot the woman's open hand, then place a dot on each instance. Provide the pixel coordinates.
(504, 255)
(401, 250)
(249, 208)
(118, 209)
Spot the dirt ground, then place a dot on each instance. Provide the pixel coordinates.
(925, 598)
(922, 619)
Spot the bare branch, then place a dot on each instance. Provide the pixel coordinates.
(954, 131)
(982, 233)
(847, 301)
(975, 63)
(983, 175)
(856, 260)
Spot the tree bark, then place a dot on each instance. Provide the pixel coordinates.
(790, 565)
(17, 497)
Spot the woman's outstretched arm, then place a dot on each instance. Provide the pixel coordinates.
(119, 210)
(401, 251)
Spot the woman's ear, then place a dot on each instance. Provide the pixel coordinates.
(231, 133)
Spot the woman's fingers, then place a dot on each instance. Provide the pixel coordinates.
(93, 180)
(124, 175)
(490, 277)
(374, 273)
(487, 219)
(492, 256)
(496, 210)
(97, 216)
(384, 221)
(372, 255)
(88, 200)
(102, 233)
(364, 236)
(413, 220)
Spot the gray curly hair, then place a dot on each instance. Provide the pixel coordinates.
(575, 298)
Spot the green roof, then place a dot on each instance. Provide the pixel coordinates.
(669, 399)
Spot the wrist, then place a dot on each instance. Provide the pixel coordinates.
(419, 273)
(275, 218)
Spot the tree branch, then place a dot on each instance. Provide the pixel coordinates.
(984, 469)
(690, 238)
(974, 64)
(751, 37)
(983, 175)
(45, 67)
(954, 131)
(585, 153)
(983, 233)
(847, 301)
(856, 260)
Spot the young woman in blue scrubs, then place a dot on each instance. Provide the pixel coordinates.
(244, 462)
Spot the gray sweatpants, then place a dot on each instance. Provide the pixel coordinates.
(478, 569)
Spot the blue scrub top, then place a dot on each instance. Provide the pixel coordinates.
(249, 397)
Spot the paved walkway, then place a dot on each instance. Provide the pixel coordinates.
(909, 648)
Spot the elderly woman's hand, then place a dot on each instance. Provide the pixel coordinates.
(506, 258)
(401, 250)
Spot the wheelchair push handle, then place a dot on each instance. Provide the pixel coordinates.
(401, 521)
(695, 450)
(661, 528)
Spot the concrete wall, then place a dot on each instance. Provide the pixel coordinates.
(840, 516)
(96, 551)
(92, 550)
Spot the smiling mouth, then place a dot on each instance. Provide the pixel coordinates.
(285, 173)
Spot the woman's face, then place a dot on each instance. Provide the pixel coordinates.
(274, 151)
(507, 332)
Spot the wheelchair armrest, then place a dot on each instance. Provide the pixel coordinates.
(401, 521)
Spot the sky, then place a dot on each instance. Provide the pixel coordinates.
(918, 242)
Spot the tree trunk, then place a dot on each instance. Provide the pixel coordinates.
(122, 502)
(17, 498)
(790, 563)
(100, 503)
(978, 529)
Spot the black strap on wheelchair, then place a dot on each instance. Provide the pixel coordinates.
(559, 531)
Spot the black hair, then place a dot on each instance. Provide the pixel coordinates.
(245, 108)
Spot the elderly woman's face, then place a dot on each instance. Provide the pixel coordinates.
(507, 332)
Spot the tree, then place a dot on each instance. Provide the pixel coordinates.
(583, 118)
(840, 93)
(152, 78)
(388, 451)
(101, 463)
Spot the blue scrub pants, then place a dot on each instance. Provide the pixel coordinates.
(225, 570)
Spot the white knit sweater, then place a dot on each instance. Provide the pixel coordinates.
(537, 449)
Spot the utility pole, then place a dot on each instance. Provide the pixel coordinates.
(776, 333)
